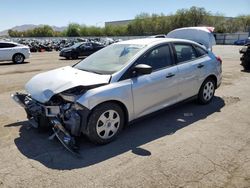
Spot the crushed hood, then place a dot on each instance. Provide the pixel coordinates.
(44, 85)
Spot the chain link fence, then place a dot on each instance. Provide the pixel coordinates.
(230, 38)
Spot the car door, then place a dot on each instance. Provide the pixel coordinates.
(81, 50)
(88, 49)
(5, 51)
(96, 47)
(160, 88)
(189, 66)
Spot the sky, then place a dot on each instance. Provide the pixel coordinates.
(97, 12)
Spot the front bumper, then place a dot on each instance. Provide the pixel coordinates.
(67, 123)
(38, 114)
(71, 116)
(64, 54)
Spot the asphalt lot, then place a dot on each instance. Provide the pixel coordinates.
(185, 146)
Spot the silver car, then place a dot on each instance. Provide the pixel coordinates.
(118, 84)
(10, 51)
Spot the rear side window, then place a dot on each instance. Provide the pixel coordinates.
(200, 51)
(185, 52)
(158, 58)
(7, 45)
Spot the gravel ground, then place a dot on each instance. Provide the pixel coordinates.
(185, 146)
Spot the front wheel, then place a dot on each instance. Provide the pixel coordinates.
(105, 123)
(74, 56)
(206, 92)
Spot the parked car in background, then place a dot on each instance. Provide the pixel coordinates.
(158, 36)
(120, 83)
(242, 41)
(245, 58)
(10, 51)
(81, 49)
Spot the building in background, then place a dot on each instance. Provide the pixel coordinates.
(118, 23)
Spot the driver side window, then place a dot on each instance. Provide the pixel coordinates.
(158, 58)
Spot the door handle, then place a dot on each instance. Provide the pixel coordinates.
(200, 66)
(170, 75)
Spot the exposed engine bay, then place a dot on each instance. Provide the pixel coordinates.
(67, 118)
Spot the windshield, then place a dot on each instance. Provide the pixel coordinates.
(110, 59)
(77, 44)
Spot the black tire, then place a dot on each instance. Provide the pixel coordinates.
(246, 62)
(74, 56)
(18, 58)
(206, 92)
(95, 123)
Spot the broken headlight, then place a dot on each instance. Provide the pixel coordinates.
(71, 95)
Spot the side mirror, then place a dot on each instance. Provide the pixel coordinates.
(142, 69)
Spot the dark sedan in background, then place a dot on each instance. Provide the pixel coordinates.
(81, 49)
(242, 41)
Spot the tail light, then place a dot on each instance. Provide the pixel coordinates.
(219, 59)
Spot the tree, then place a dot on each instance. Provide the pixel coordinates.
(244, 22)
(13, 33)
(95, 31)
(147, 24)
(73, 30)
(197, 16)
(84, 30)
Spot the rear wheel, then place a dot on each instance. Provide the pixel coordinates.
(18, 58)
(105, 123)
(206, 92)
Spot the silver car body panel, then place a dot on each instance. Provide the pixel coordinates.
(118, 91)
(154, 91)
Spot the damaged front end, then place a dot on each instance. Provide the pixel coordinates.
(62, 113)
(51, 101)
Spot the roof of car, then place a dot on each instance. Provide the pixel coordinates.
(149, 41)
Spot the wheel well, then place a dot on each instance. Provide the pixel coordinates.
(123, 107)
(214, 78)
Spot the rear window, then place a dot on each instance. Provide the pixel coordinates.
(184, 52)
(200, 51)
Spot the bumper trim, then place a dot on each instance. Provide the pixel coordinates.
(51, 111)
(66, 139)
(56, 123)
(17, 100)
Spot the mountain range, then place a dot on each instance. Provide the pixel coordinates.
(26, 27)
